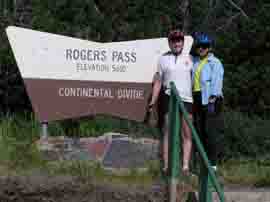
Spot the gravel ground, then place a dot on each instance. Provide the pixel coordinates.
(40, 188)
(62, 189)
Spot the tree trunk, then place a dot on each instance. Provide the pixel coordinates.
(14, 7)
(184, 7)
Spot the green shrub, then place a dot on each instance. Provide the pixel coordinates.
(245, 136)
(98, 125)
(242, 136)
(245, 171)
(17, 142)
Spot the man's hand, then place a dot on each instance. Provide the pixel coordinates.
(156, 90)
(150, 106)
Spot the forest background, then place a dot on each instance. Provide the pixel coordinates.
(241, 30)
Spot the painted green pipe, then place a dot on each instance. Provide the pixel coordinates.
(174, 141)
(174, 95)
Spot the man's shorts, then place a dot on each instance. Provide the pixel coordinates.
(163, 109)
(164, 102)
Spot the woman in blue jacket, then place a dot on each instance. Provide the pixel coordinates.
(207, 83)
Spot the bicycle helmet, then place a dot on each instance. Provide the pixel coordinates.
(175, 35)
(202, 38)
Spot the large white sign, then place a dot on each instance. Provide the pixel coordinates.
(68, 70)
(43, 55)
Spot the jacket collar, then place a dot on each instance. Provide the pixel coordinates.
(211, 57)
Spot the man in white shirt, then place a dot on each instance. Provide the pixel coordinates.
(174, 66)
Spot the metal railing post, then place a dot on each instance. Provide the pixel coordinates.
(205, 190)
(207, 171)
(174, 142)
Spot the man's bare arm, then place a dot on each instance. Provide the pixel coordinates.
(156, 89)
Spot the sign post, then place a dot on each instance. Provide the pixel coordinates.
(44, 134)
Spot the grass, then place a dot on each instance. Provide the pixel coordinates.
(17, 148)
(19, 154)
(93, 172)
(251, 172)
(84, 127)
(94, 127)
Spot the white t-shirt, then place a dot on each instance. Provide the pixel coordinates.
(177, 69)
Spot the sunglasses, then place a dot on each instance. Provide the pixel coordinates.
(203, 45)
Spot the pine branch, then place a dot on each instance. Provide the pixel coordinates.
(98, 8)
(228, 22)
(238, 8)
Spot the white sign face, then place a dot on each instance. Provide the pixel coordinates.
(81, 73)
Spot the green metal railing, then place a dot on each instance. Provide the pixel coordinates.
(207, 175)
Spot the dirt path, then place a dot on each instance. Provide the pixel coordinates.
(62, 189)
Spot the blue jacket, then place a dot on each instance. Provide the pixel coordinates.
(211, 77)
